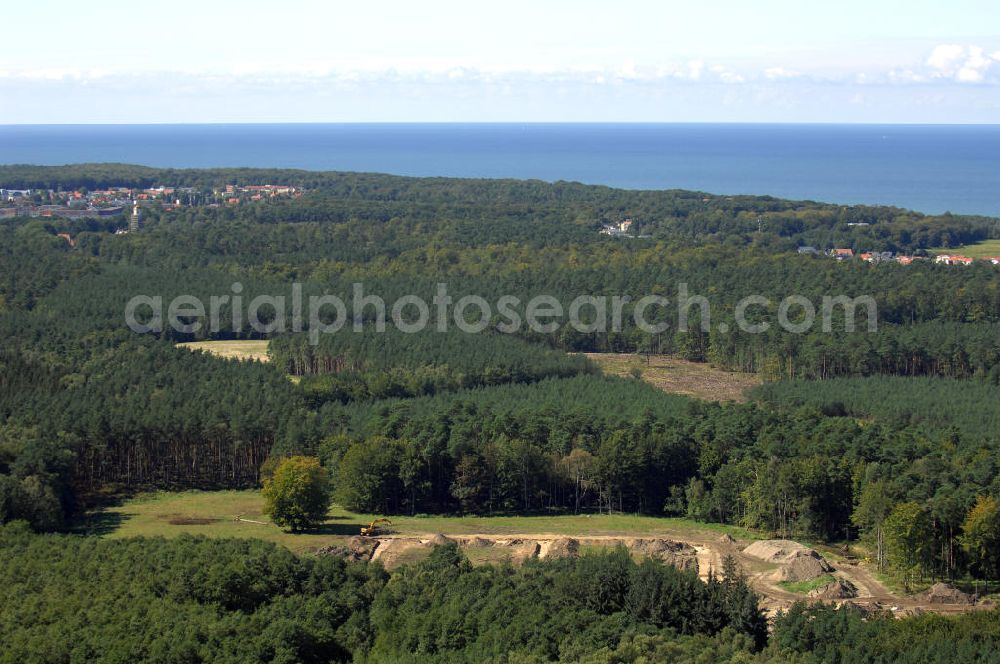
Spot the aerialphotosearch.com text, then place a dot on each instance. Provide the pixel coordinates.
(361, 311)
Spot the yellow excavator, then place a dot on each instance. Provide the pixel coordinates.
(373, 528)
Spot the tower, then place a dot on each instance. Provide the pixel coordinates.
(133, 223)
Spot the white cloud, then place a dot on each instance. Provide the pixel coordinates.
(964, 64)
(906, 76)
(628, 71)
(945, 57)
(778, 73)
(944, 66)
(969, 75)
(726, 76)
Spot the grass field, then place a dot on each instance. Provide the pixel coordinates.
(236, 350)
(978, 250)
(676, 376)
(213, 513)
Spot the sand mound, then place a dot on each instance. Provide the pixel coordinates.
(839, 589)
(523, 551)
(333, 550)
(357, 548)
(362, 546)
(439, 540)
(726, 538)
(396, 551)
(680, 555)
(864, 607)
(565, 547)
(802, 566)
(478, 543)
(942, 593)
(774, 551)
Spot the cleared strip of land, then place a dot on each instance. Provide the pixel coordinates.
(677, 376)
(213, 513)
(670, 374)
(253, 349)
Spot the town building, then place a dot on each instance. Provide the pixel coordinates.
(135, 220)
(947, 259)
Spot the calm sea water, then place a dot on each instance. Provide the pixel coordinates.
(926, 168)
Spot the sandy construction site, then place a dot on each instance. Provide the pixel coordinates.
(781, 571)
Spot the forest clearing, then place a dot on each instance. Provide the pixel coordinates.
(980, 249)
(777, 569)
(676, 376)
(213, 514)
(241, 349)
(670, 374)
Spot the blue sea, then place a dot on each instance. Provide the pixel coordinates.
(930, 168)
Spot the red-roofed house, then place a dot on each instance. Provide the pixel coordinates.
(953, 260)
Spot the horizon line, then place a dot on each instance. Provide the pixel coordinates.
(501, 122)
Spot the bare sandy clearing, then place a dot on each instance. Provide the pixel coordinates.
(677, 376)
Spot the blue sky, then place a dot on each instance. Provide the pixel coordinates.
(628, 60)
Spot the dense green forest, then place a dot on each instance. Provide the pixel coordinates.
(884, 434)
(365, 365)
(672, 212)
(195, 599)
(964, 407)
(613, 444)
(124, 410)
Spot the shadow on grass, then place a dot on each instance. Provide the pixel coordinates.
(99, 523)
(343, 529)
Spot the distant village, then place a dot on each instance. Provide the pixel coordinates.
(620, 229)
(624, 229)
(889, 257)
(113, 201)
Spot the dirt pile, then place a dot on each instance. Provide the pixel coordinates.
(356, 548)
(798, 562)
(680, 555)
(942, 593)
(478, 543)
(391, 552)
(439, 540)
(803, 565)
(774, 551)
(839, 589)
(868, 608)
(565, 547)
(522, 551)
